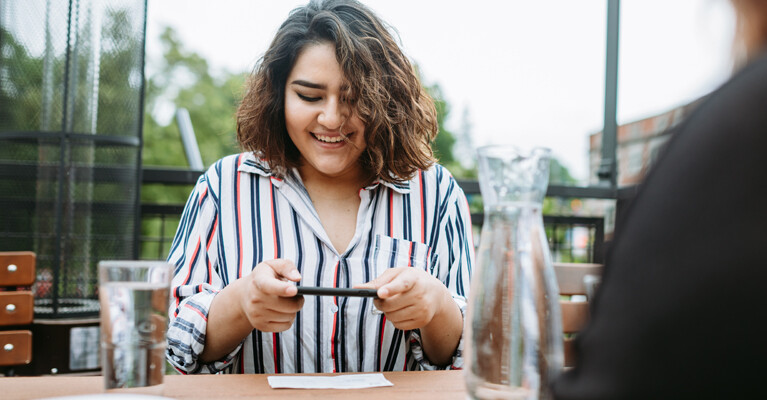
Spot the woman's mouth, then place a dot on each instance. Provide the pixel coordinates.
(330, 139)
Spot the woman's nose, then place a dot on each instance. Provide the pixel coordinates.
(333, 114)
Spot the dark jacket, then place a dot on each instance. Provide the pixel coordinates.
(682, 309)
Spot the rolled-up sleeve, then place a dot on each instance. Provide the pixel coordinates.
(196, 281)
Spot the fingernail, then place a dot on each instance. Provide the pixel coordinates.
(295, 275)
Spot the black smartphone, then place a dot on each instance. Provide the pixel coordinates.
(340, 292)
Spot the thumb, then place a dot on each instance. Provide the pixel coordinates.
(367, 285)
(381, 280)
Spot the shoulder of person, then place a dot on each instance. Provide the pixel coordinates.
(755, 69)
(224, 170)
(747, 86)
(439, 176)
(235, 162)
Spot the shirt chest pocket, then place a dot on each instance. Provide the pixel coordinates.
(390, 252)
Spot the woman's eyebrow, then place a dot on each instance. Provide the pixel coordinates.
(308, 84)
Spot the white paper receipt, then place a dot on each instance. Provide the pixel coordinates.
(351, 381)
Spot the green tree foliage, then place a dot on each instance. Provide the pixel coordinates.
(19, 108)
(443, 144)
(558, 175)
(184, 80)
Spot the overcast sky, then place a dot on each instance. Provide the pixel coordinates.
(524, 72)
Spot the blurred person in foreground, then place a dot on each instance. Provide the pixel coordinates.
(681, 308)
(337, 187)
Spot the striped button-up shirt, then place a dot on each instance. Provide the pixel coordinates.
(239, 215)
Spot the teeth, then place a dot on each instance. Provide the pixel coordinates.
(329, 139)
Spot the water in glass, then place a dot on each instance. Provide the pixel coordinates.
(133, 325)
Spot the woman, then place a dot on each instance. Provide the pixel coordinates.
(337, 188)
(679, 313)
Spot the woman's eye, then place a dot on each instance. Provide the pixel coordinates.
(308, 98)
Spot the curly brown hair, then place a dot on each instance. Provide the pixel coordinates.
(400, 117)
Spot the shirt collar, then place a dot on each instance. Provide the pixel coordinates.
(255, 165)
(260, 166)
(399, 187)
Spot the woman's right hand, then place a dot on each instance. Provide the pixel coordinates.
(268, 298)
(265, 300)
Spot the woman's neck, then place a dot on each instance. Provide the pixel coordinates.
(326, 187)
(336, 200)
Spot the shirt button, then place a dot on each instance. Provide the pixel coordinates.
(334, 308)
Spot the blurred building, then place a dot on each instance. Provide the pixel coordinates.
(639, 144)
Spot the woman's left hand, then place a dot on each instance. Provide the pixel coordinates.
(409, 297)
(412, 299)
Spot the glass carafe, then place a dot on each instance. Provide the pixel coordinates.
(514, 324)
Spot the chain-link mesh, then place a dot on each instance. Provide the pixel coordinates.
(71, 76)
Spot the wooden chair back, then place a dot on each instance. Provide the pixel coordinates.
(17, 274)
(577, 283)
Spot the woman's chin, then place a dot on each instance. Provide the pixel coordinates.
(332, 168)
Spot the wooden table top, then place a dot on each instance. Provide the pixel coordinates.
(407, 385)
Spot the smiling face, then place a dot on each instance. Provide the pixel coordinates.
(318, 117)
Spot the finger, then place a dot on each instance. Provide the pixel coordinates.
(280, 318)
(271, 285)
(284, 269)
(405, 313)
(391, 304)
(383, 279)
(278, 326)
(401, 284)
(407, 325)
(286, 305)
(374, 284)
(408, 318)
(367, 285)
(269, 315)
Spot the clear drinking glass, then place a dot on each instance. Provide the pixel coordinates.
(134, 320)
(514, 325)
